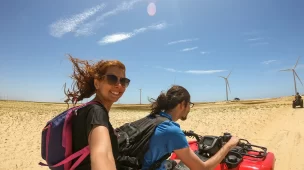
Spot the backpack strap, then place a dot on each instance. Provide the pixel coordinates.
(158, 120)
(82, 154)
(128, 161)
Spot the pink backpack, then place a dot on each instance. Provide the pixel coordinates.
(56, 142)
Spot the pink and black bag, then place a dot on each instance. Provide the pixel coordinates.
(56, 142)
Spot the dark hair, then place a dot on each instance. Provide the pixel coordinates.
(168, 101)
(84, 77)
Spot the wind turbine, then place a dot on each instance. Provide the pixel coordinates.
(294, 75)
(227, 84)
(139, 96)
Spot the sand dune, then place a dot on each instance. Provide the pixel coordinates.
(270, 122)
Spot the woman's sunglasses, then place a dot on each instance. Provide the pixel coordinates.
(113, 80)
(191, 104)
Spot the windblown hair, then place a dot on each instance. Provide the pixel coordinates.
(84, 75)
(168, 101)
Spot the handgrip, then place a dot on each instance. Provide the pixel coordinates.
(226, 137)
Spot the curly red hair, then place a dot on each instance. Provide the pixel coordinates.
(84, 75)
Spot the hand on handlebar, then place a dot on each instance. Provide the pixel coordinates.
(234, 141)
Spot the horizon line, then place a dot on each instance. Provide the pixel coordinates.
(33, 101)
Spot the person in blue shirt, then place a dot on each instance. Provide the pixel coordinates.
(168, 136)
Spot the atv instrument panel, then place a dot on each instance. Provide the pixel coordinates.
(208, 141)
(209, 145)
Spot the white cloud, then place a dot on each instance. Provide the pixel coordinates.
(88, 28)
(191, 71)
(204, 52)
(189, 49)
(255, 39)
(63, 26)
(158, 26)
(113, 38)
(171, 70)
(116, 38)
(182, 41)
(268, 61)
(204, 71)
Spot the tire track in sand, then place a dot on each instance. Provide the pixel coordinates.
(284, 137)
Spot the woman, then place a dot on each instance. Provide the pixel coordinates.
(91, 125)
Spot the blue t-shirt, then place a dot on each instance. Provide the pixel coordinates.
(167, 137)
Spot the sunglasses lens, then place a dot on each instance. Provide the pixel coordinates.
(112, 79)
(124, 82)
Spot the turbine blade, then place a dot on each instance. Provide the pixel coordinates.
(298, 77)
(297, 62)
(229, 74)
(286, 70)
(228, 85)
(222, 77)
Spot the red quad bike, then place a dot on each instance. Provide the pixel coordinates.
(241, 157)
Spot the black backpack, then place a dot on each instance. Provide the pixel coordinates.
(133, 140)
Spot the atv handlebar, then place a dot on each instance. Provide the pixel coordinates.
(224, 139)
(191, 134)
(212, 144)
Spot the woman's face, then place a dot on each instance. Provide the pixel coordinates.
(112, 85)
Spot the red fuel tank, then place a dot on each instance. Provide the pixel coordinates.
(248, 162)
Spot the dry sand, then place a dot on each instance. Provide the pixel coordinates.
(271, 123)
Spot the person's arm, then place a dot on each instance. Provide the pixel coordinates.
(101, 149)
(101, 153)
(193, 162)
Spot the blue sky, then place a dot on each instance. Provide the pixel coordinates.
(189, 42)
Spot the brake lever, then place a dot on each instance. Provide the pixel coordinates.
(193, 134)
